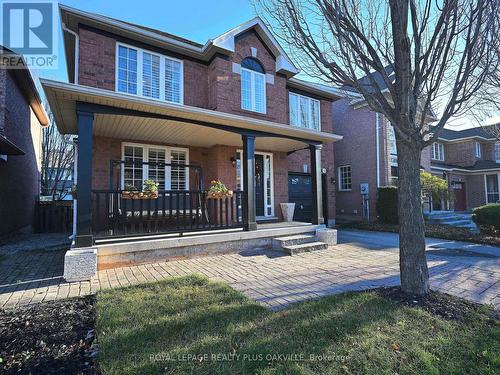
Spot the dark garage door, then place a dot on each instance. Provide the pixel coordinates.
(300, 193)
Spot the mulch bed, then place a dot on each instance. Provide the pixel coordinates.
(49, 338)
(437, 303)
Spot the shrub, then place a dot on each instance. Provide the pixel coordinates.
(487, 218)
(387, 204)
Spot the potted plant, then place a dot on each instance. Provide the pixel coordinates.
(218, 190)
(150, 189)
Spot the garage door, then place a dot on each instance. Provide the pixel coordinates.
(300, 193)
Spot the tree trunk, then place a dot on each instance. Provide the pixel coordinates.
(412, 260)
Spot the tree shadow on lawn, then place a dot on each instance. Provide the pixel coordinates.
(190, 319)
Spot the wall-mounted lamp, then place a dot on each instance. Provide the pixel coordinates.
(233, 160)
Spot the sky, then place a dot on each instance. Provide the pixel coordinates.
(192, 19)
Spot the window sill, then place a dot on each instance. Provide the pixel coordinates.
(344, 190)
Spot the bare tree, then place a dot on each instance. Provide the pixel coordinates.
(414, 56)
(57, 161)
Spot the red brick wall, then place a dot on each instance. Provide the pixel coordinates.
(461, 154)
(96, 60)
(19, 175)
(357, 149)
(476, 195)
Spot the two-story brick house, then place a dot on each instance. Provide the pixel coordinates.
(365, 159)
(150, 105)
(470, 161)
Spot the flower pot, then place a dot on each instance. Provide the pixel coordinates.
(139, 194)
(219, 194)
(287, 209)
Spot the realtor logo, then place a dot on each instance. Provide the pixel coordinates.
(28, 28)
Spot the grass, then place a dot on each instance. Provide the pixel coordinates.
(445, 232)
(185, 321)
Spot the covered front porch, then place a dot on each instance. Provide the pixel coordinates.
(103, 212)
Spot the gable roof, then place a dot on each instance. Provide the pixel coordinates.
(471, 133)
(223, 44)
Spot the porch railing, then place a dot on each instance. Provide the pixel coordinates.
(174, 211)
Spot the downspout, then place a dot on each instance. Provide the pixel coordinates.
(75, 183)
(377, 141)
(77, 50)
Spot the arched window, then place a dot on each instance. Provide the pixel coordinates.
(253, 85)
(252, 64)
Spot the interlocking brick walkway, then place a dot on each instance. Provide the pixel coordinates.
(273, 279)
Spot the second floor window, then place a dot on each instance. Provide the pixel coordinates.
(139, 72)
(438, 151)
(253, 86)
(497, 152)
(304, 111)
(478, 150)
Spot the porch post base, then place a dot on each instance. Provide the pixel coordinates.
(250, 226)
(86, 240)
(80, 264)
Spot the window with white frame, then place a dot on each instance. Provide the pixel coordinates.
(345, 178)
(492, 188)
(497, 152)
(392, 141)
(478, 150)
(148, 162)
(148, 74)
(438, 151)
(304, 111)
(253, 86)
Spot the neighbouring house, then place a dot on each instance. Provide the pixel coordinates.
(470, 161)
(365, 160)
(22, 118)
(146, 104)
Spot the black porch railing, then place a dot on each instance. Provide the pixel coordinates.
(174, 211)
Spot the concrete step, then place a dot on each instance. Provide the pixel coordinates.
(304, 247)
(280, 242)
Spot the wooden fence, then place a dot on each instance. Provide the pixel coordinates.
(54, 217)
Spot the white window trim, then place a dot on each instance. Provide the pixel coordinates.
(438, 153)
(252, 91)
(140, 52)
(339, 174)
(145, 158)
(497, 144)
(310, 124)
(266, 206)
(478, 149)
(486, 186)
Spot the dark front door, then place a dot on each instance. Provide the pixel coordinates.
(459, 192)
(300, 193)
(259, 185)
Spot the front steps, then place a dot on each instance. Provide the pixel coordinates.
(307, 242)
(455, 219)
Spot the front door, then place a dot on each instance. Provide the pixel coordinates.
(259, 185)
(460, 197)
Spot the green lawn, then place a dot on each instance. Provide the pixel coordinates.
(356, 333)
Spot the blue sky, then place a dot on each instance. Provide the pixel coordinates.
(192, 19)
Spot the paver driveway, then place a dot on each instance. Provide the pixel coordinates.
(362, 260)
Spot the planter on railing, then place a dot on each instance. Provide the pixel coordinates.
(139, 194)
(219, 195)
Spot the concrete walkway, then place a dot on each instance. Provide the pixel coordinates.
(362, 260)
